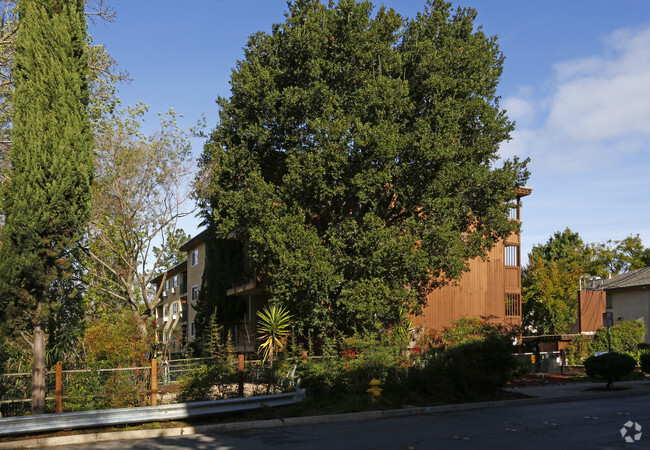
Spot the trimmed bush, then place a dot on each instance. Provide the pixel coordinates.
(609, 367)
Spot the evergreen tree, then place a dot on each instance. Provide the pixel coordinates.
(46, 201)
(357, 155)
(223, 262)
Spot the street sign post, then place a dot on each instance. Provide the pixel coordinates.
(608, 321)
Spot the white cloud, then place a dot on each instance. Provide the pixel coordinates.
(520, 108)
(598, 109)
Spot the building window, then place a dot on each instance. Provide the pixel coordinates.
(512, 213)
(175, 308)
(192, 329)
(166, 310)
(194, 256)
(166, 336)
(608, 300)
(511, 255)
(195, 293)
(166, 285)
(175, 281)
(513, 302)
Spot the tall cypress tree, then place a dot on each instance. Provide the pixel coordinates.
(47, 200)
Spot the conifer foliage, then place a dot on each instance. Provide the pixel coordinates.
(358, 156)
(46, 201)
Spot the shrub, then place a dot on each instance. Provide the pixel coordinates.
(463, 331)
(645, 362)
(578, 350)
(610, 366)
(625, 336)
(360, 359)
(200, 383)
(477, 369)
(470, 360)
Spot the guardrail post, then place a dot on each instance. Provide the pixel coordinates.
(154, 382)
(241, 374)
(304, 356)
(59, 388)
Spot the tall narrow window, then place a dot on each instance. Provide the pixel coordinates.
(175, 308)
(192, 329)
(513, 302)
(194, 256)
(511, 255)
(195, 293)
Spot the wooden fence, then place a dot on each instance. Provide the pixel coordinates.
(145, 382)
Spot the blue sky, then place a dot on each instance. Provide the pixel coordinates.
(576, 81)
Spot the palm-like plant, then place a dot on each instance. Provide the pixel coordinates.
(273, 327)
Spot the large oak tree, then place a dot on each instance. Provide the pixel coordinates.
(358, 156)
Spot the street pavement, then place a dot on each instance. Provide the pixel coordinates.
(560, 404)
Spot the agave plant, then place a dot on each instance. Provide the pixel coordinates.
(273, 327)
(404, 323)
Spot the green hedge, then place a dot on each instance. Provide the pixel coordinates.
(610, 366)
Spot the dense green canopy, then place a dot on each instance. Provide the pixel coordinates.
(358, 155)
(46, 201)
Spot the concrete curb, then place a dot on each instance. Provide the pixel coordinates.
(91, 438)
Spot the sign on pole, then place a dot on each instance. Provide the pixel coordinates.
(608, 319)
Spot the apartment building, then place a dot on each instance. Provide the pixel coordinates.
(491, 289)
(174, 316)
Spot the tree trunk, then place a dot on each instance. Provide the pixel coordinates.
(38, 370)
(140, 320)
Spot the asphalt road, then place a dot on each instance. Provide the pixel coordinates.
(585, 424)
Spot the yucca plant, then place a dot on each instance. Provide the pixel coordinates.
(273, 327)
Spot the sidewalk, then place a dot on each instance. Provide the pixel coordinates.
(579, 390)
(540, 394)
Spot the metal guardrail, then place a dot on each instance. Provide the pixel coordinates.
(84, 419)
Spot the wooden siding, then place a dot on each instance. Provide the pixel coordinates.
(480, 293)
(591, 306)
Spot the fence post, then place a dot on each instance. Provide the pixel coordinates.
(304, 356)
(241, 374)
(59, 388)
(154, 382)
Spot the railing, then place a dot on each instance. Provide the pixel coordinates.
(544, 362)
(82, 419)
(130, 387)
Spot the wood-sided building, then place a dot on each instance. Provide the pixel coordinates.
(491, 288)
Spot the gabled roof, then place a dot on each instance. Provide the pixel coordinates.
(636, 278)
(193, 242)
